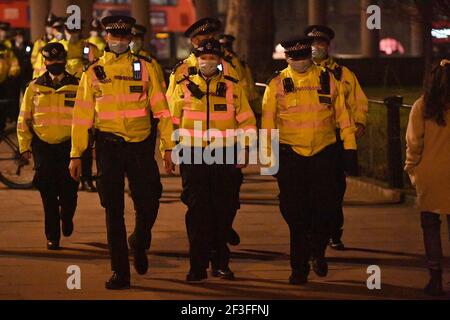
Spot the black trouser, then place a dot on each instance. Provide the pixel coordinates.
(86, 164)
(218, 256)
(431, 228)
(52, 179)
(309, 197)
(336, 235)
(208, 191)
(115, 159)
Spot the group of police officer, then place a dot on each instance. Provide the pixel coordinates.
(108, 96)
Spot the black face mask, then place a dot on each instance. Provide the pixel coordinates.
(57, 68)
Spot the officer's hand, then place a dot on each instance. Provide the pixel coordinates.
(26, 156)
(360, 130)
(168, 163)
(75, 169)
(242, 166)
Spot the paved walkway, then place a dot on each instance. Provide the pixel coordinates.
(385, 235)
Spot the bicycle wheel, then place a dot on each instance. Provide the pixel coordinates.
(13, 173)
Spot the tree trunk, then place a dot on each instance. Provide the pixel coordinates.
(252, 23)
(205, 8)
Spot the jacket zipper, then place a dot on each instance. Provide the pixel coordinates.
(207, 109)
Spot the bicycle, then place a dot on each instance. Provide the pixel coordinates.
(15, 172)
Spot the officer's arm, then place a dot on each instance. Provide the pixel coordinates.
(24, 134)
(343, 118)
(355, 99)
(245, 117)
(83, 115)
(160, 109)
(35, 52)
(269, 122)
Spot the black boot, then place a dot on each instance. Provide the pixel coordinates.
(336, 240)
(434, 286)
(67, 227)
(233, 238)
(53, 245)
(118, 282)
(300, 277)
(431, 223)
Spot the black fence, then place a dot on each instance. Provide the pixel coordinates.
(382, 150)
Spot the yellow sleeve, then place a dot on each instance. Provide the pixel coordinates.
(343, 118)
(269, 107)
(35, 52)
(160, 109)
(245, 117)
(24, 134)
(356, 100)
(176, 105)
(83, 115)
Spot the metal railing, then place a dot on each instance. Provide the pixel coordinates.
(393, 144)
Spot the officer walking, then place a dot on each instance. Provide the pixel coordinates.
(355, 102)
(304, 103)
(203, 29)
(115, 97)
(43, 130)
(206, 105)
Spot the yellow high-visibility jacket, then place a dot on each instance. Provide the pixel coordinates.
(99, 42)
(156, 65)
(305, 112)
(223, 106)
(47, 111)
(9, 65)
(112, 100)
(37, 59)
(355, 99)
(189, 66)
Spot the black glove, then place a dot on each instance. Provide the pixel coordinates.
(351, 163)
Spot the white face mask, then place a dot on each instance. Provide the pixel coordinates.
(118, 46)
(59, 36)
(319, 53)
(135, 46)
(300, 66)
(208, 67)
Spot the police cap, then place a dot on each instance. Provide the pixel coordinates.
(298, 47)
(119, 25)
(202, 27)
(320, 32)
(54, 51)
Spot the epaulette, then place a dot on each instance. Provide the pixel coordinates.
(145, 58)
(185, 78)
(273, 76)
(230, 78)
(86, 67)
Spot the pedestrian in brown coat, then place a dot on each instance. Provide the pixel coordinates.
(428, 164)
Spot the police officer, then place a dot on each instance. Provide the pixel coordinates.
(37, 60)
(115, 97)
(355, 101)
(43, 130)
(203, 29)
(303, 102)
(206, 105)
